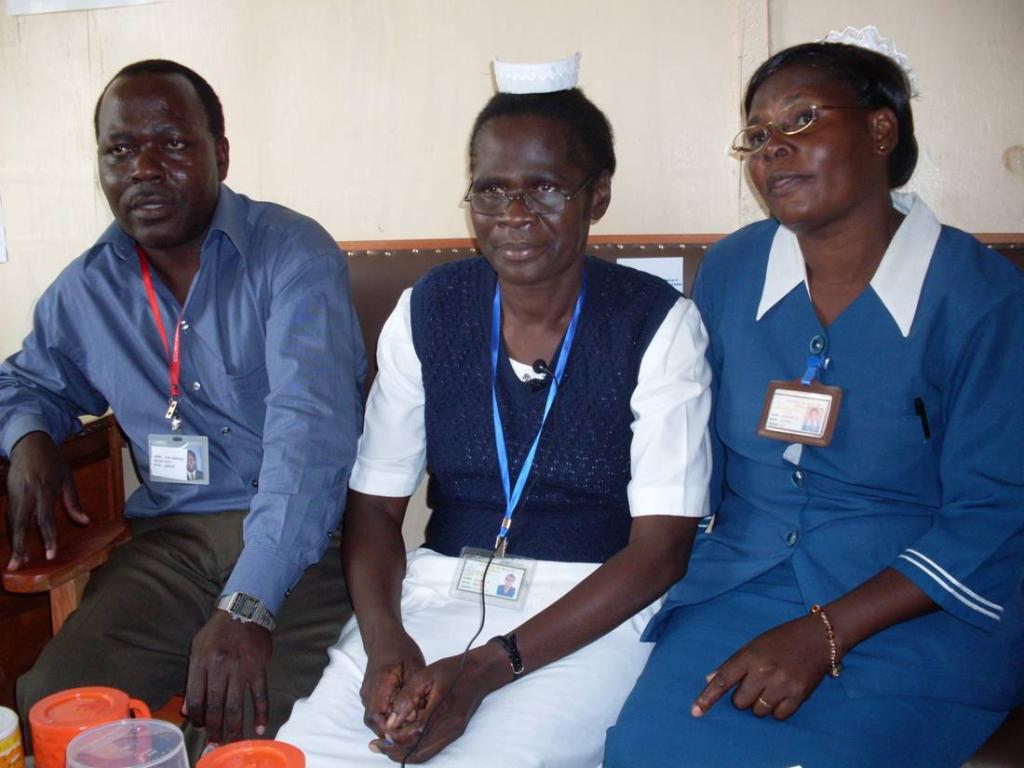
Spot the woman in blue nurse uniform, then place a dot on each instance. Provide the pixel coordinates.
(858, 593)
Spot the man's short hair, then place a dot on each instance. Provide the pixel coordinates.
(211, 104)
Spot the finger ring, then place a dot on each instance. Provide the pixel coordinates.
(767, 706)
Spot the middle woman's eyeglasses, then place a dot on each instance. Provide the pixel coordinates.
(542, 200)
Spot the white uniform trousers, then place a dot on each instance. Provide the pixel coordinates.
(553, 717)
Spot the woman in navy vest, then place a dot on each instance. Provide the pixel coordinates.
(561, 405)
(859, 592)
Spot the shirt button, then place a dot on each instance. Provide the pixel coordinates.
(256, 482)
(196, 386)
(797, 478)
(792, 538)
(226, 431)
(184, 325)
(817, 345)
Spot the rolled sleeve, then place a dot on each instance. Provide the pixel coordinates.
(315, 364)
(670, 453)
(970, 560)
(393, 449)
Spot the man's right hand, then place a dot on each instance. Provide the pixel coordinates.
(37, 477)
(390, 663)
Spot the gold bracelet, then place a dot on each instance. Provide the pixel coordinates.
(835, 666)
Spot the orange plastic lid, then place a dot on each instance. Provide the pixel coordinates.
(256, 753)
(78, 707)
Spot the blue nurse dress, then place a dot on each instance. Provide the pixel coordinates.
(925, 474)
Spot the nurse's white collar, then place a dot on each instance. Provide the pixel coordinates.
(898, 279)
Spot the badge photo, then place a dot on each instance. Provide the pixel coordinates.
(504, 581)
(178, 458)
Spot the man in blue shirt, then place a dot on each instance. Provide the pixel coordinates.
(213, 325)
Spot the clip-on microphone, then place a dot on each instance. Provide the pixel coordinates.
(541, 367)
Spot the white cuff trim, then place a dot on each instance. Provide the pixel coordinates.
(668, 500)
(380, 483)
(958, 590)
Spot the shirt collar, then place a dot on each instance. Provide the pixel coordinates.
(229, 218)
(899, 278)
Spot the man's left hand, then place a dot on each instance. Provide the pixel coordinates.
(229, 657)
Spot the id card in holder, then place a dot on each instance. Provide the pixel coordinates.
(177, 458)
(507, 582)
(800, 413)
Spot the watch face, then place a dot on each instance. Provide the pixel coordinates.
(245, 606)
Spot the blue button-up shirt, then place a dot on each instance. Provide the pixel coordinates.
(272, 364)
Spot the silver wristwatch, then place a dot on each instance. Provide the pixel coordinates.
(247, 609)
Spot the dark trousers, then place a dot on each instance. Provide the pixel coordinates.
(140, 611)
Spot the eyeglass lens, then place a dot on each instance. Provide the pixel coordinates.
(790, 121)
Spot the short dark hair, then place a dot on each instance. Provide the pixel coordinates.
(207, 97)
(592, 145)
(876, 80)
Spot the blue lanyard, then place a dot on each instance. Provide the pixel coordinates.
(512, 496)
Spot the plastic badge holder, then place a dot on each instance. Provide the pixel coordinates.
(256, 753)
(129, 744)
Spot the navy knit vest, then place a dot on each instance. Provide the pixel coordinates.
(574, 507)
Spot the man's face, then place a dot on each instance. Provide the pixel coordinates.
(190, 461)
(160, 168)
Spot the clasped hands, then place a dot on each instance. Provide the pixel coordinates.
(405, 698)
(774, 673)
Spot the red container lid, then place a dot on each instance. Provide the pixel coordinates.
(255, 753)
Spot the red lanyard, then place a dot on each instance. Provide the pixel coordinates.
(173, 356)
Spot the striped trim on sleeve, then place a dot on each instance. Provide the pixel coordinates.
(944, 579)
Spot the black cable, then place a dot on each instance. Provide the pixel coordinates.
(483, 606)
(462, 661)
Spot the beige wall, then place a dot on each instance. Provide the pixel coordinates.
(356, 111)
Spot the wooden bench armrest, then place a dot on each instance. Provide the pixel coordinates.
(76, 556)
(65, 577)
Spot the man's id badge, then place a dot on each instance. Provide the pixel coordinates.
(179, 459)
(800, 413)
(506, 582)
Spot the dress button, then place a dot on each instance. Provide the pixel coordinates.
(797, 478)
(792, 538)
(226, 431)
(196, 386)
(817, 345)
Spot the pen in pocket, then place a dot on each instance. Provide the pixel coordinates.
(922, 414)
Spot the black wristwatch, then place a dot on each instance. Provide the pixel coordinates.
(508, 643)
(247, 609)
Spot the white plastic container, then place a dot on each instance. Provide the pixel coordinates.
(134, 743)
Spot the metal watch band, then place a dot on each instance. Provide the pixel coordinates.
(247, 609)
(508, 643)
